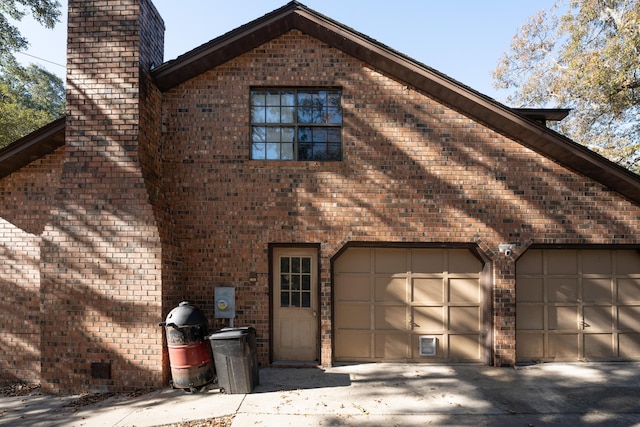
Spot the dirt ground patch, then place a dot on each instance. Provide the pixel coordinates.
(19, 389)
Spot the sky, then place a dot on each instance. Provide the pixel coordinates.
(463, 39)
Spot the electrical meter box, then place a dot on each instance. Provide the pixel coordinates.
(225, 302)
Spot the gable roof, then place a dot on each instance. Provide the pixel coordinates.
(522, 125)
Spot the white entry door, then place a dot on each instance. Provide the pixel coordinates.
(295, 305)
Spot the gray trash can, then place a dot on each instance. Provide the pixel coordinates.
(235, 359)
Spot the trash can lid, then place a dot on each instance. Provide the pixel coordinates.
(229, 334)
(239, 328)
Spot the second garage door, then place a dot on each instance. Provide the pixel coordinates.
(578, 305)
(409, 304)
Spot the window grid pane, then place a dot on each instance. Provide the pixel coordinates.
(313, 120)
(295, 282)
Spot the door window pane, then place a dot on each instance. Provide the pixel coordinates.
(306, 265)
(284, 282)
(295, 282)
(284, 265)
(284, 299)
(295, 299)
(306, 299)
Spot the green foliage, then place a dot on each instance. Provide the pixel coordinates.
(46, 12)
(30, 97)
(16, 120)
(582, 55)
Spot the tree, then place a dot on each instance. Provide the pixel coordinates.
(583, 55)
(46, 12)
(16, 120)
(30, 97)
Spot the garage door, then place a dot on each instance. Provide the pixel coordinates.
(419, 305)
(578, 305)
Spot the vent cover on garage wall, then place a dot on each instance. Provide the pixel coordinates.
(427, 346)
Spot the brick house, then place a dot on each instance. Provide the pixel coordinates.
(363, 207)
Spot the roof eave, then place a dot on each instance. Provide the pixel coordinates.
(225, 47)
(32, 147)
(544, 114)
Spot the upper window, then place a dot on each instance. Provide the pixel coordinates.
(296, 124)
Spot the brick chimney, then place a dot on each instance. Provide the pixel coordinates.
(101, 254)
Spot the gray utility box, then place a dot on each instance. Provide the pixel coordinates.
(225, 302)
(235, 359)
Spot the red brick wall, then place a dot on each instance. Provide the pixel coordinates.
(25, 199)
(150, 152)
(413, 171)
(101, 239)
(101, 254)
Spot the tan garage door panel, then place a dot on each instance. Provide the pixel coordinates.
(578, 305)
(629, 345)
(387, 298)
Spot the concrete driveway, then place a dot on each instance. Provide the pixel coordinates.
(585, 394)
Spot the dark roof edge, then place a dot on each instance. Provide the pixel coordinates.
(224, 47)
(32, 147)
(544, 114)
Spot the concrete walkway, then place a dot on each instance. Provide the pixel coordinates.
(585, 394)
